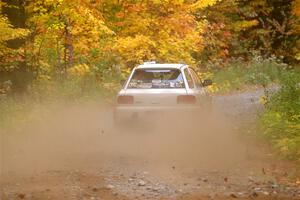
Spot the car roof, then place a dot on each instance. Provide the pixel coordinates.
(161, 66)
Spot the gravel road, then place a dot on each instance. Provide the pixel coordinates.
(77, 153)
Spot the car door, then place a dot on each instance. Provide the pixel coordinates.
(197, 89)
(191, 87)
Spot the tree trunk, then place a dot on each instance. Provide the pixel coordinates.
(69, 48)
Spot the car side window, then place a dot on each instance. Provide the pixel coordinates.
(196, 78)
(189, 78)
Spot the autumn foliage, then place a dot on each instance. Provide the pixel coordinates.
(46, 41)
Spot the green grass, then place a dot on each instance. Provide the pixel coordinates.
(43, 96)
(280, 122)
(240, 75)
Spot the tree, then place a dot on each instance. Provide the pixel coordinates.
(12, 41)
(75, 26)
(296, 28)
(165, 31)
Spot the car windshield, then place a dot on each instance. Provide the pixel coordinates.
(156, 78)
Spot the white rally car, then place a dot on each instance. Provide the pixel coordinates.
(160, 88)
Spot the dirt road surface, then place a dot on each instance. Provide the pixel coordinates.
(76, 153)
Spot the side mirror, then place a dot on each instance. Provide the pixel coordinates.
(122, 82)
(207, 82)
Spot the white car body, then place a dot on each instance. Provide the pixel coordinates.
(156, 100)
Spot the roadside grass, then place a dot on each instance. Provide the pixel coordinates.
(240, 75)
(16, 114)
(280, 121)
(44, 96)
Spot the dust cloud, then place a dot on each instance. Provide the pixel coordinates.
(79, 137)
(76, 151)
